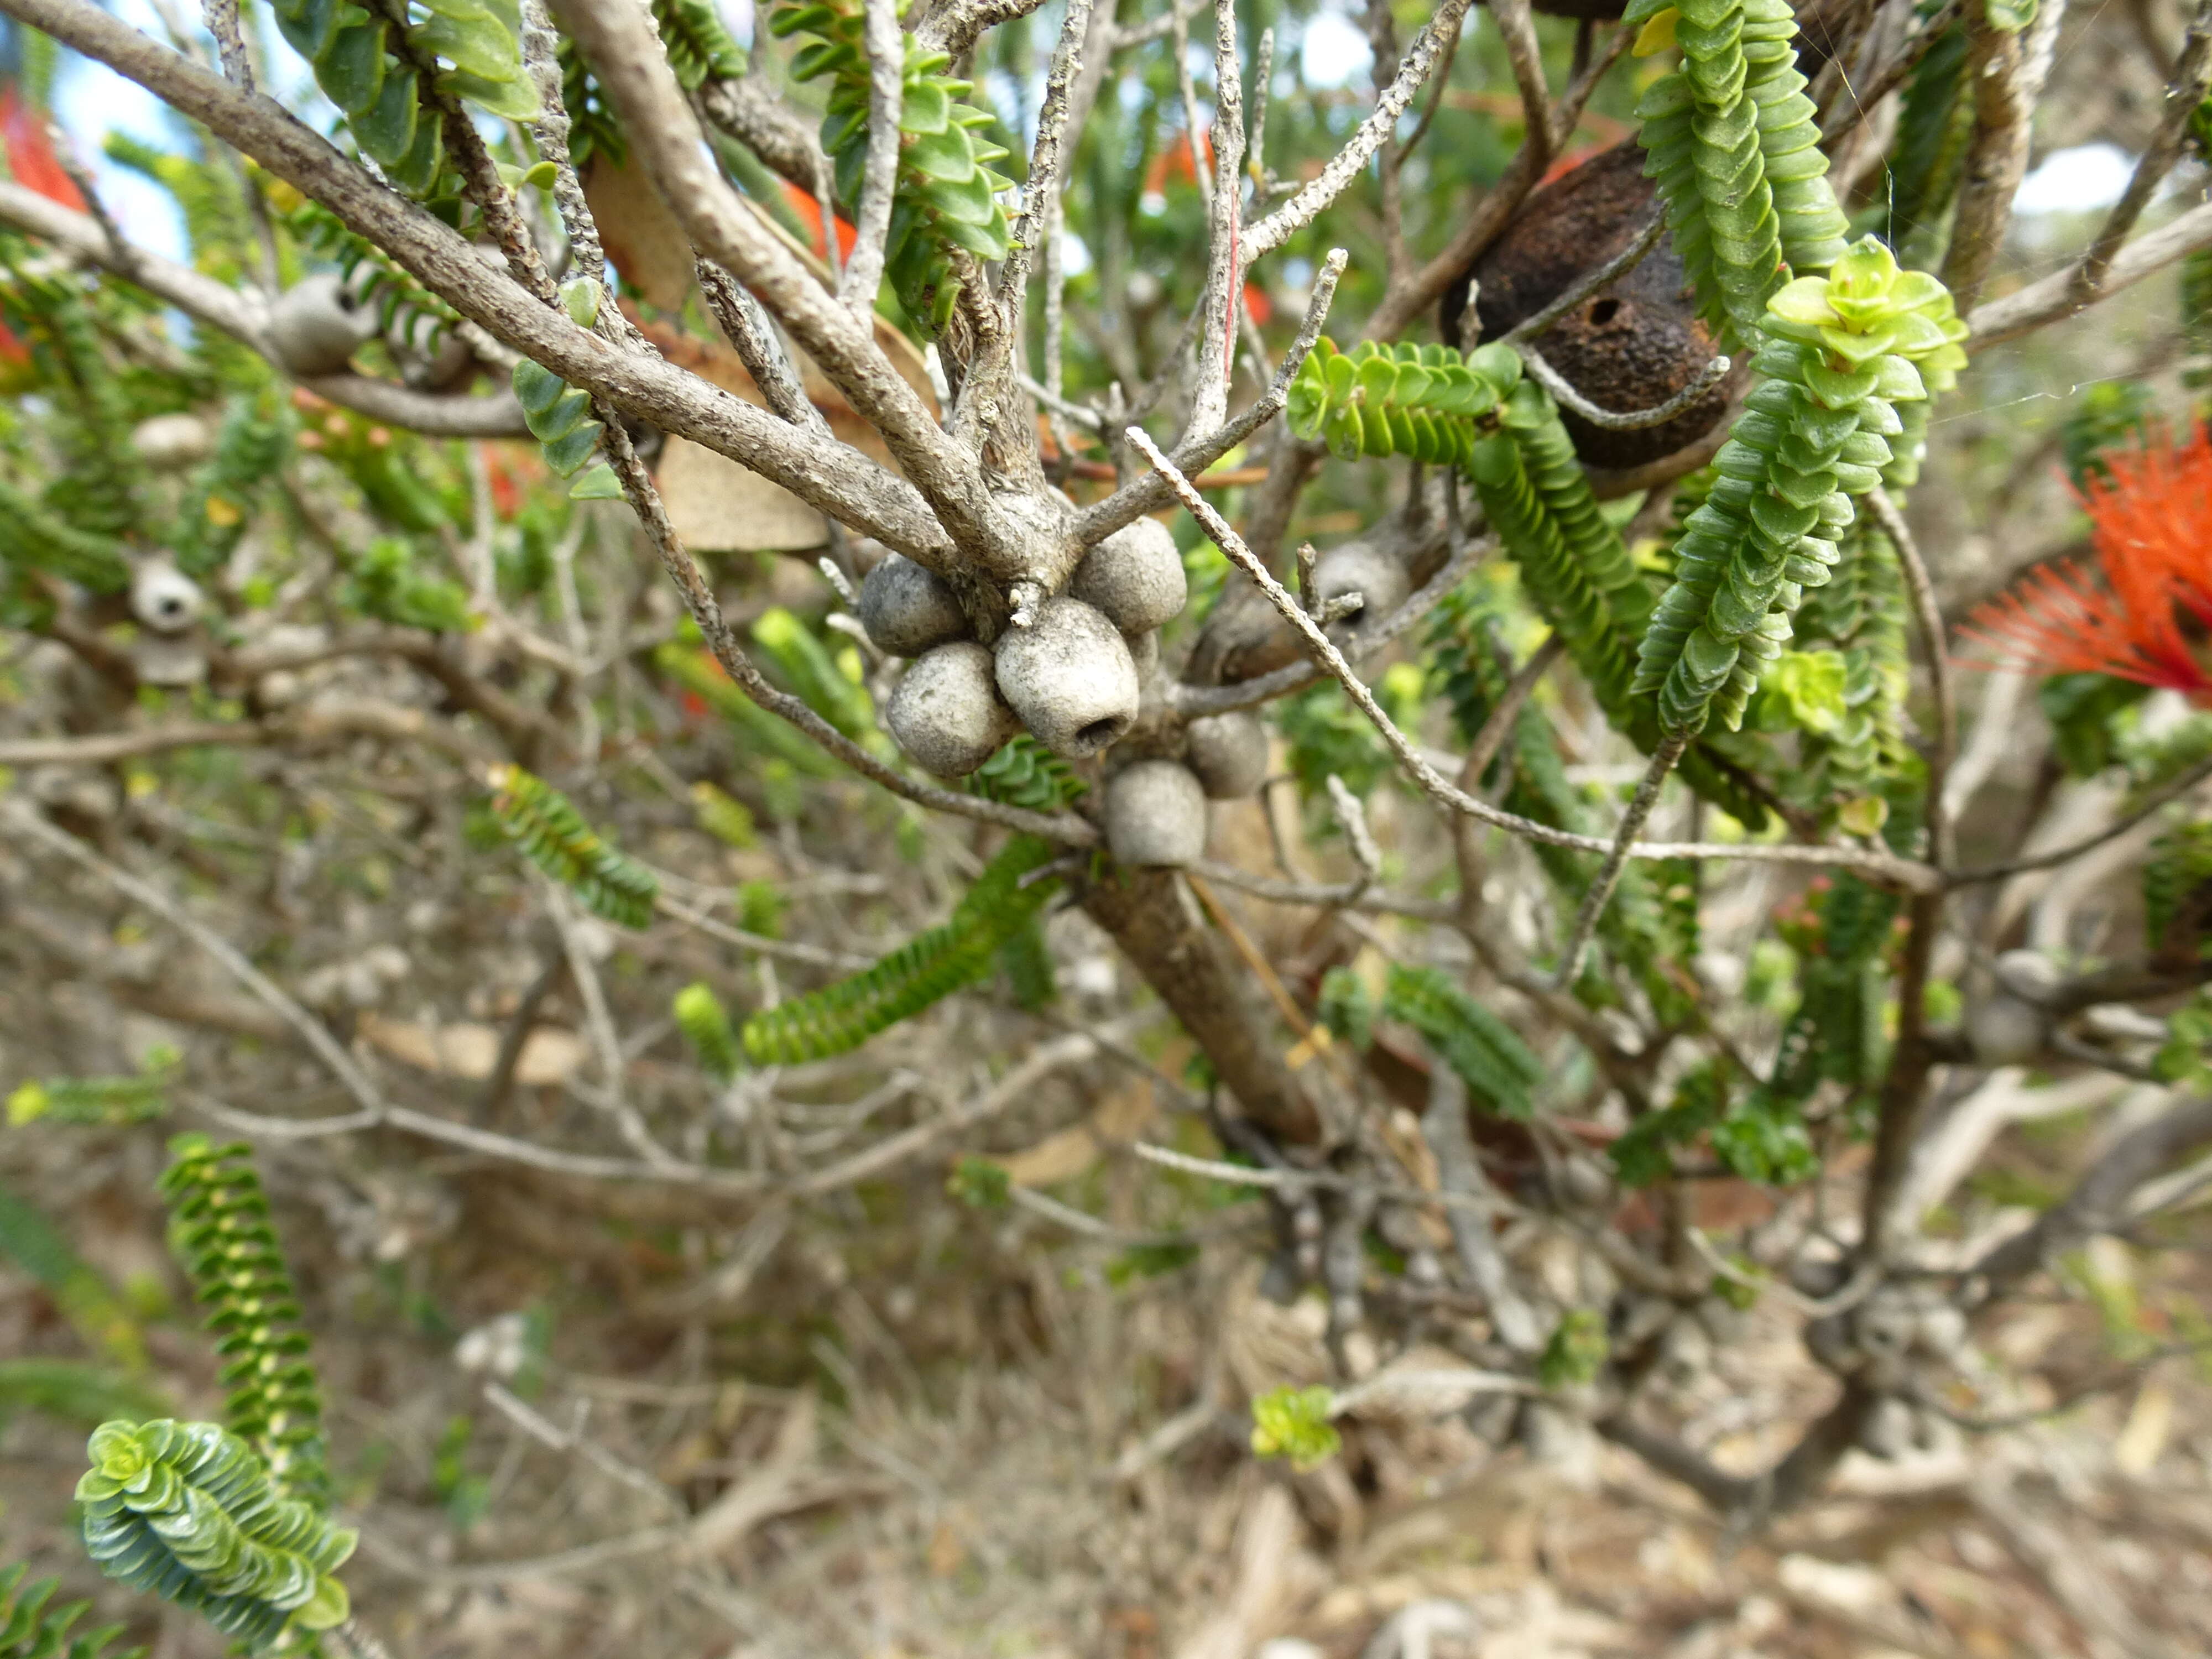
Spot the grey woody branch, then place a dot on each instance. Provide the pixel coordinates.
(237, 315)
(619, 41)
(838, 479)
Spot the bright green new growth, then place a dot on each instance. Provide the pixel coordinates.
(537, 819)
(107, 1101)
(1840, 351)
(926, 969)
(1486, 1052)
(186, 1511)
(946, 195)
(1026, 774)
(559, 416)
(222, 1235)
(1734, 147)
(32, 1627)
(705, 1026)
(1293, 1422)
(370, 66)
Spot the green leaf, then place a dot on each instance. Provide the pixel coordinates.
(600, 484)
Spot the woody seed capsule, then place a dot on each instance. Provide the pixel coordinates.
(1070, 677)
(907, 609)
(317, 325)
(1154, 814)
(1229, 753)
(1134, 577)
(946, 712)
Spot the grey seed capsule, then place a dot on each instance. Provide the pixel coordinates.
(317, 325)
(163, 598)
(1134, 578)
(907, 609)
(1229, 753)
(1070, 677)
(946, 712)
(1379, 580)
(1154, 814)
(1888, 1431)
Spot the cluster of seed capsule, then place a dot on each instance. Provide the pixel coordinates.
(1071, 672)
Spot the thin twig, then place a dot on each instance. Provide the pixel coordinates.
(2193, 74)
(1497, 724)
(221, 17)
(2159, 798)
(1635, 420)
(1348, 163)
(1582, 287)
(1599, 892)
(886, 48)
(1929, 617)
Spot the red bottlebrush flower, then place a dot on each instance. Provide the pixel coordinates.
(31, 155)
(2145, 614)
(810, 214)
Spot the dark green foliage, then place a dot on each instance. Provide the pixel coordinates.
(980, 1184)
(926, 969)
(34, 1243)
(946, 195)
(1640, 1155)
(1026, 774)
(1478, 412)
(32, 1627)
(1577, 1352)
(1733, 143)
(2104, 414)
(1348, 1007)
(1027, 960)
(75, 1392)
(1643, 927)
(1487, 1054)
(370, 64)
(1839, 352)
(2196, 314)
(538, 819)
(1857, 624)
(2085, 712)
(254, 444)
(32, 539)
(1936, 121)
(697, 44)
(387, 583)
(560, 414)
(222, 1234)
(98, 489)
(2177, 885)
(186, 1511)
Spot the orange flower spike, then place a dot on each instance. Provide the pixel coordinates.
(2152, 516)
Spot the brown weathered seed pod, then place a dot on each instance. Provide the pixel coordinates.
(1358, 568)
(317, 323)
(946, 712)
(1134, 578)
(1229, 753)
(1070, 677)
(908, 609)
(1632, 345)
(1154, 814)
